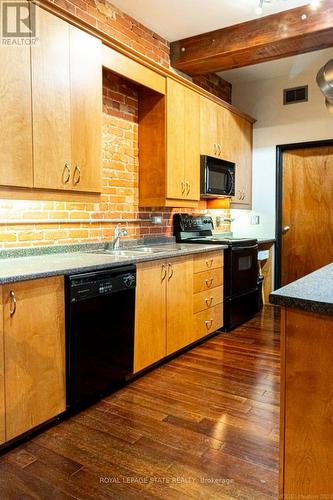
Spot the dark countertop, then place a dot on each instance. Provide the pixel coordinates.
(313, 293)
(42, 266)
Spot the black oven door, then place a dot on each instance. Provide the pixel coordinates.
(243, 270)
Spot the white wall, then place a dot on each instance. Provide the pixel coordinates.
(277, 124)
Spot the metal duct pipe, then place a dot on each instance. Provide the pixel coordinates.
(325, 83)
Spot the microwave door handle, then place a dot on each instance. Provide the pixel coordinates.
(231, 182)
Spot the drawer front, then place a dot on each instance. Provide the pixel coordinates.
(207, 299)
(208, 279)
(207, 261)
(206, 322)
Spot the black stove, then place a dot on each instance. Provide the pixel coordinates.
(199, 229)
(241, 294)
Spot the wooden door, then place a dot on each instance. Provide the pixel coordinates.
(307, 208)
(15, 117)
(208, 127)
(179, 303)
(192, 145)
(2, 376)
(86, 110)
(51, 104)
(240, 147)
(150, 314)
(176, 188)
(34, 353)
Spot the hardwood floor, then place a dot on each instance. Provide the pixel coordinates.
(204, 425)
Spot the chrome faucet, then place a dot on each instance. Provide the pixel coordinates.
(118, 233)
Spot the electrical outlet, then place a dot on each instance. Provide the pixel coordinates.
(156, 219)
(255, 220)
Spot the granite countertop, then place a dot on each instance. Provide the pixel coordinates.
(312, 293)
(44, 265)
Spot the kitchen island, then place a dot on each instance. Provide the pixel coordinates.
(306, 434)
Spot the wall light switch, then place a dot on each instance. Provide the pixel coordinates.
(255, 220)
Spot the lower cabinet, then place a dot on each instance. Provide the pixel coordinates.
(34, 354)
(208, 294)
(2, 378)
(163, 311)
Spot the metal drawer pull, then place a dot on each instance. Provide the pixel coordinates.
(164, 272)
(209, 324)
(188, 188)
(209, 262)
(183, 187)
(209, 282)
(170, 271)
(77, 175)
(12, 310)
(67, 170)
(209, 302)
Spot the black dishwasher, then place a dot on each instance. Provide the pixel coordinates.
(100, 309)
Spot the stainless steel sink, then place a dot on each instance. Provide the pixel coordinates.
(115, 253)
(135, 252)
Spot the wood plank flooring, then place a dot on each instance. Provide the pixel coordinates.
(203, 426)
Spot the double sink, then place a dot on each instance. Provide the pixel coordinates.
(136, 251)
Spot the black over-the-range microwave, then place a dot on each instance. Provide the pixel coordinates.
(217, 177)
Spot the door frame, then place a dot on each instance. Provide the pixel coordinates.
(280, 149)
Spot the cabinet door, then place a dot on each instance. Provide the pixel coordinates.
(51, 104)
(192, 145)
(175, 140)
(34, 341)
(15, 117)
(208, 127)
(179, 303)
(150, 314)
(2, 376)
(242, 153)
(86, 110)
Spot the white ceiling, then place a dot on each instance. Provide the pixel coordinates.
(289, 66)
(177, 19)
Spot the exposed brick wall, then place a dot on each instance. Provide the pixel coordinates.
(215, 85)
(119, 198)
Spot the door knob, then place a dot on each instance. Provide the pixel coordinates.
(285, 229)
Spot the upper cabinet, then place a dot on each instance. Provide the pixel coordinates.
(52, 140)
(169, 138)
(15, 118)
(227, 135)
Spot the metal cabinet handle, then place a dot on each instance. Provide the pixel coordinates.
(215, 149)
(164, 272)
(240, 194)
(170, 271)
(66, 174)
(12, 309)
(209, 324)
(209, 262)
(188, 187)
(219, 149)
(76, 175)
(183, 187)
(243, 197)
(209, 302)
(209, 282)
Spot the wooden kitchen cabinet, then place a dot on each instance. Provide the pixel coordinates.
(169, 133)
(15, 118)
(34, 353)
(163, 311)
(241, 143)
(179, 303)
(214, 133)
(150, 314)
(67, 107)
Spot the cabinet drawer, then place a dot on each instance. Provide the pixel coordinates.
(207, 261)
(208, 321)
(208, 279)
(207, 299)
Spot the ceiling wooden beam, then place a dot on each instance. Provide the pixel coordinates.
(287, 33)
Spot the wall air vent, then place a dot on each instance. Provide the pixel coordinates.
(297, 94)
